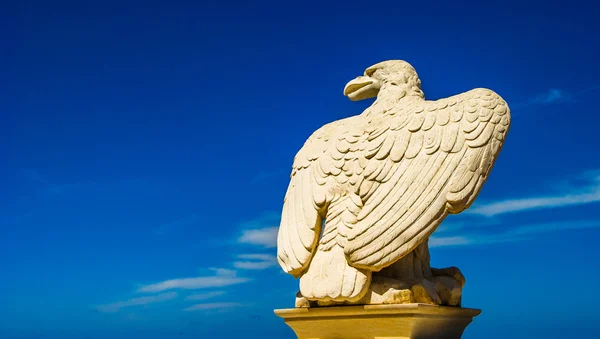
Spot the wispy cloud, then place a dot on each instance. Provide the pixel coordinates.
(213, 306)
(554, 226)
(261, 231)
(204, 296)
(115, 307)
(435, 241)
(222, 278)
(255, 261)
(519, 233)
(589, 193)
(577, 190)
(266, 237)
(551, 96)
(556, 95)
(518, 205)
(473, 240)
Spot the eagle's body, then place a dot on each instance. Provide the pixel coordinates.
(383, 181)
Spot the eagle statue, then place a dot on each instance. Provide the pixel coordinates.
(366, 192)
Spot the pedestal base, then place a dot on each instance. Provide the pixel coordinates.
(402, 321)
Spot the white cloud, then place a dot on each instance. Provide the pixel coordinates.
(204, 296)
(554, 95)
(586, 192)
(448, 241)
(223, 277)
(473, 240)
(257, 256)
(224, 272)
(255, 261)
(571, 197)
(253, 265)
(551, 96)
(266, 237)
(518, 205)
(114, 307)
(553, 227)
(519, 233)
(213, 306)
(261, 231)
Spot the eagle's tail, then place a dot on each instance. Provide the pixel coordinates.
(329, 276)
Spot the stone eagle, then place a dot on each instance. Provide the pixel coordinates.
(367, 190)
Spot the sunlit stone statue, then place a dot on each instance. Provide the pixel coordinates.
(366, 192)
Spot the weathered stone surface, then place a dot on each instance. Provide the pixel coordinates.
(425, 292)
(388, 291)
(449, 290)
(301, 301)
(366, 192)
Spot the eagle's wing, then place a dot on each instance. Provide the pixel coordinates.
(419, 168)
(313, 173)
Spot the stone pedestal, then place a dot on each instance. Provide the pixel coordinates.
(401, 321)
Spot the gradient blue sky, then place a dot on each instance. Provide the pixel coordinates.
(147, 146)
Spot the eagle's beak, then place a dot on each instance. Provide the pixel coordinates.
(363, 87)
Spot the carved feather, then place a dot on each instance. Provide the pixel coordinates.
(384, 180)
(445, 179)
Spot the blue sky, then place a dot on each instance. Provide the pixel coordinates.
(147, 148)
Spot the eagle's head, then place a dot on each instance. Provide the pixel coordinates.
(392, 75)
